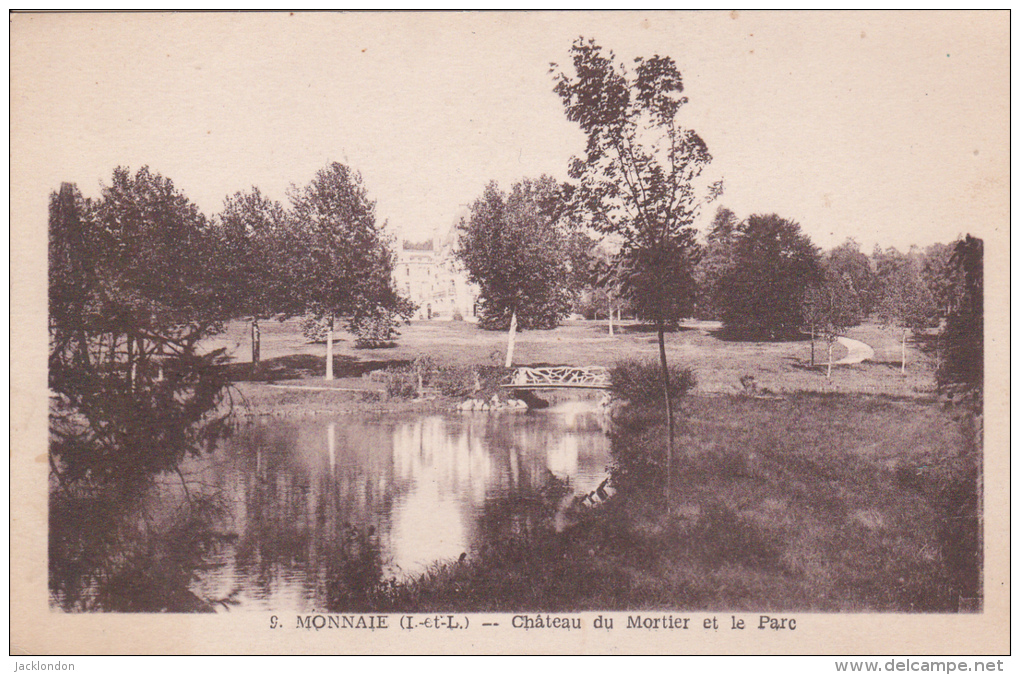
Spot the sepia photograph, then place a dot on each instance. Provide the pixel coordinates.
(655, 332)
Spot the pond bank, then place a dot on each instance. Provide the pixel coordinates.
(293, 398)
(250, 400)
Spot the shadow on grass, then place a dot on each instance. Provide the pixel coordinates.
(639, 328)
(732, 334)
(797, 363)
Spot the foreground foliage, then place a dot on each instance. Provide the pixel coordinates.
(129, 303)
(809, 504)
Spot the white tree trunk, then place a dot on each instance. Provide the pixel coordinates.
(256, 341)
(329, 351)
(331, 443)
(610, 318)
(903, 353)
(510, 340)
(828, 372)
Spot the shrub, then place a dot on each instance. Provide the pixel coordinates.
(314, 329)
(452, 381)
(374, 330)
(640, 382)
(456, 382)
(401, 382)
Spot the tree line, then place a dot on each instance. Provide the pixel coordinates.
(622, 231)
(138, 277)
(761, 276)
(621, 235)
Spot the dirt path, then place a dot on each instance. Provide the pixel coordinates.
(857, 351)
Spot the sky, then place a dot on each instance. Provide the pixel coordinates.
(890, 128)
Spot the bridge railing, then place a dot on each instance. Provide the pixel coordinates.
(584, 377)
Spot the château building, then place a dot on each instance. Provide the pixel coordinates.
(430, 275)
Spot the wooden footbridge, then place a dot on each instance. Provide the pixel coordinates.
(560, 377)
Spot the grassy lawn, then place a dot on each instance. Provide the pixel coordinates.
(780, 367)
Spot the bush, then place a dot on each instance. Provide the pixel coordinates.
(375, 330)
(401, 382)
(455, 382)
(313, 329)
(640, 382)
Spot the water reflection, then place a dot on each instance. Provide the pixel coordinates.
(314, 513)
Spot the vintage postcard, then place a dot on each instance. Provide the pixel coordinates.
(568, 332)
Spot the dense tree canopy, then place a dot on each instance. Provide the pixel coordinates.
(256, 264)
(517, 247)
(964, 361)
(716, 260)
(903, 298)
(158, 250)
(940, 274)
(131, 297)
(254, 239)
(774, 263)
(853, 267)
(344, 261)
(904, 301)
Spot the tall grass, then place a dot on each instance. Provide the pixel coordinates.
(817, 503)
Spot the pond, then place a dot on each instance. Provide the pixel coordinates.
(309, 508)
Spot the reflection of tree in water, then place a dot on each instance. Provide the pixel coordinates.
(118, 551)
(312, 505)
(353, 569)
(517, 562)
(336, 516)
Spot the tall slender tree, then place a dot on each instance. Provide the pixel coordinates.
(640, 179)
